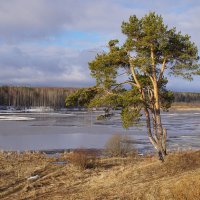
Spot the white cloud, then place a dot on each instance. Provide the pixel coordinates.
(44, 65)
(30, 31)
(44, 19)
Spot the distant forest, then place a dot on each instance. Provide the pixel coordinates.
(187, 97)
(55, 97)
(34, 96)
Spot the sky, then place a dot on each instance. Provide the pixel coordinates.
(49, 43)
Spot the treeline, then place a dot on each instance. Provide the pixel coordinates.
(33, 96)
(55, 97)
(187, 97)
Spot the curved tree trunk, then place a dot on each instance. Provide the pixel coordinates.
(157, 138)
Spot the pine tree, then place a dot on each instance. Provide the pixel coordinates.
(150, 50)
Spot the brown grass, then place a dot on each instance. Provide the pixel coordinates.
(111, 178)
(185, 106)
(83, 158)
(119, 145)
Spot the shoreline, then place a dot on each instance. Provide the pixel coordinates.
(97, 151)
(51, 151)
(42, 109)
(184, 106)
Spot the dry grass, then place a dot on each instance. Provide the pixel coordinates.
(119, 145)
(111, 178)
(83, 158)
(185, 106)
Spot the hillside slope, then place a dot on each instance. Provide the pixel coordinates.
(112, 178)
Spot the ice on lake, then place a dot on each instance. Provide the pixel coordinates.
(78, 129)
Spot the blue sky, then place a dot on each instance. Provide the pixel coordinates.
(49, 43)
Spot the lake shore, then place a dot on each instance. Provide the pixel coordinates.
(185, 106)
(38, 176)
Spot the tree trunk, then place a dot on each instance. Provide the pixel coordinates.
(162, 135)
(158, 141)
(164, 140)
(161, 132)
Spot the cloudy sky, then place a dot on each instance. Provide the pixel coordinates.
(49, 43)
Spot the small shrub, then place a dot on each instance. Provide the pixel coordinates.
(118, 145)
(83, 158)
(133, 154)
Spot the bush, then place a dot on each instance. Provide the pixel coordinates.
(118, 145)
(83, 158)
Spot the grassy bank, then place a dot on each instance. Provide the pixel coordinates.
(36, 176)
(185, 106)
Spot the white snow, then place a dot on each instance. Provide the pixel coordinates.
(33, 177)
(15, 118)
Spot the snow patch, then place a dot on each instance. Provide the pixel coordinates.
(15, 118)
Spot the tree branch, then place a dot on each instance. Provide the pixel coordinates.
(135, 77)
(162, 69)
(148, 121)
(151, 78)
(153, 64)
(125, 82)
(121, 74)
(134, 74)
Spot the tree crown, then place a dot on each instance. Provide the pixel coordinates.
(151, 48)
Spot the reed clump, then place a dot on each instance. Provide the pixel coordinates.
(83, 158)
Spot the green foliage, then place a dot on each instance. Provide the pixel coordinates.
(130, 116)
(166, 96)
(150, 45)
(104, 68)
(106, 100)
(150, 32)
(81, 97)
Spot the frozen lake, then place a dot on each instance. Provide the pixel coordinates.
(66, 130)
